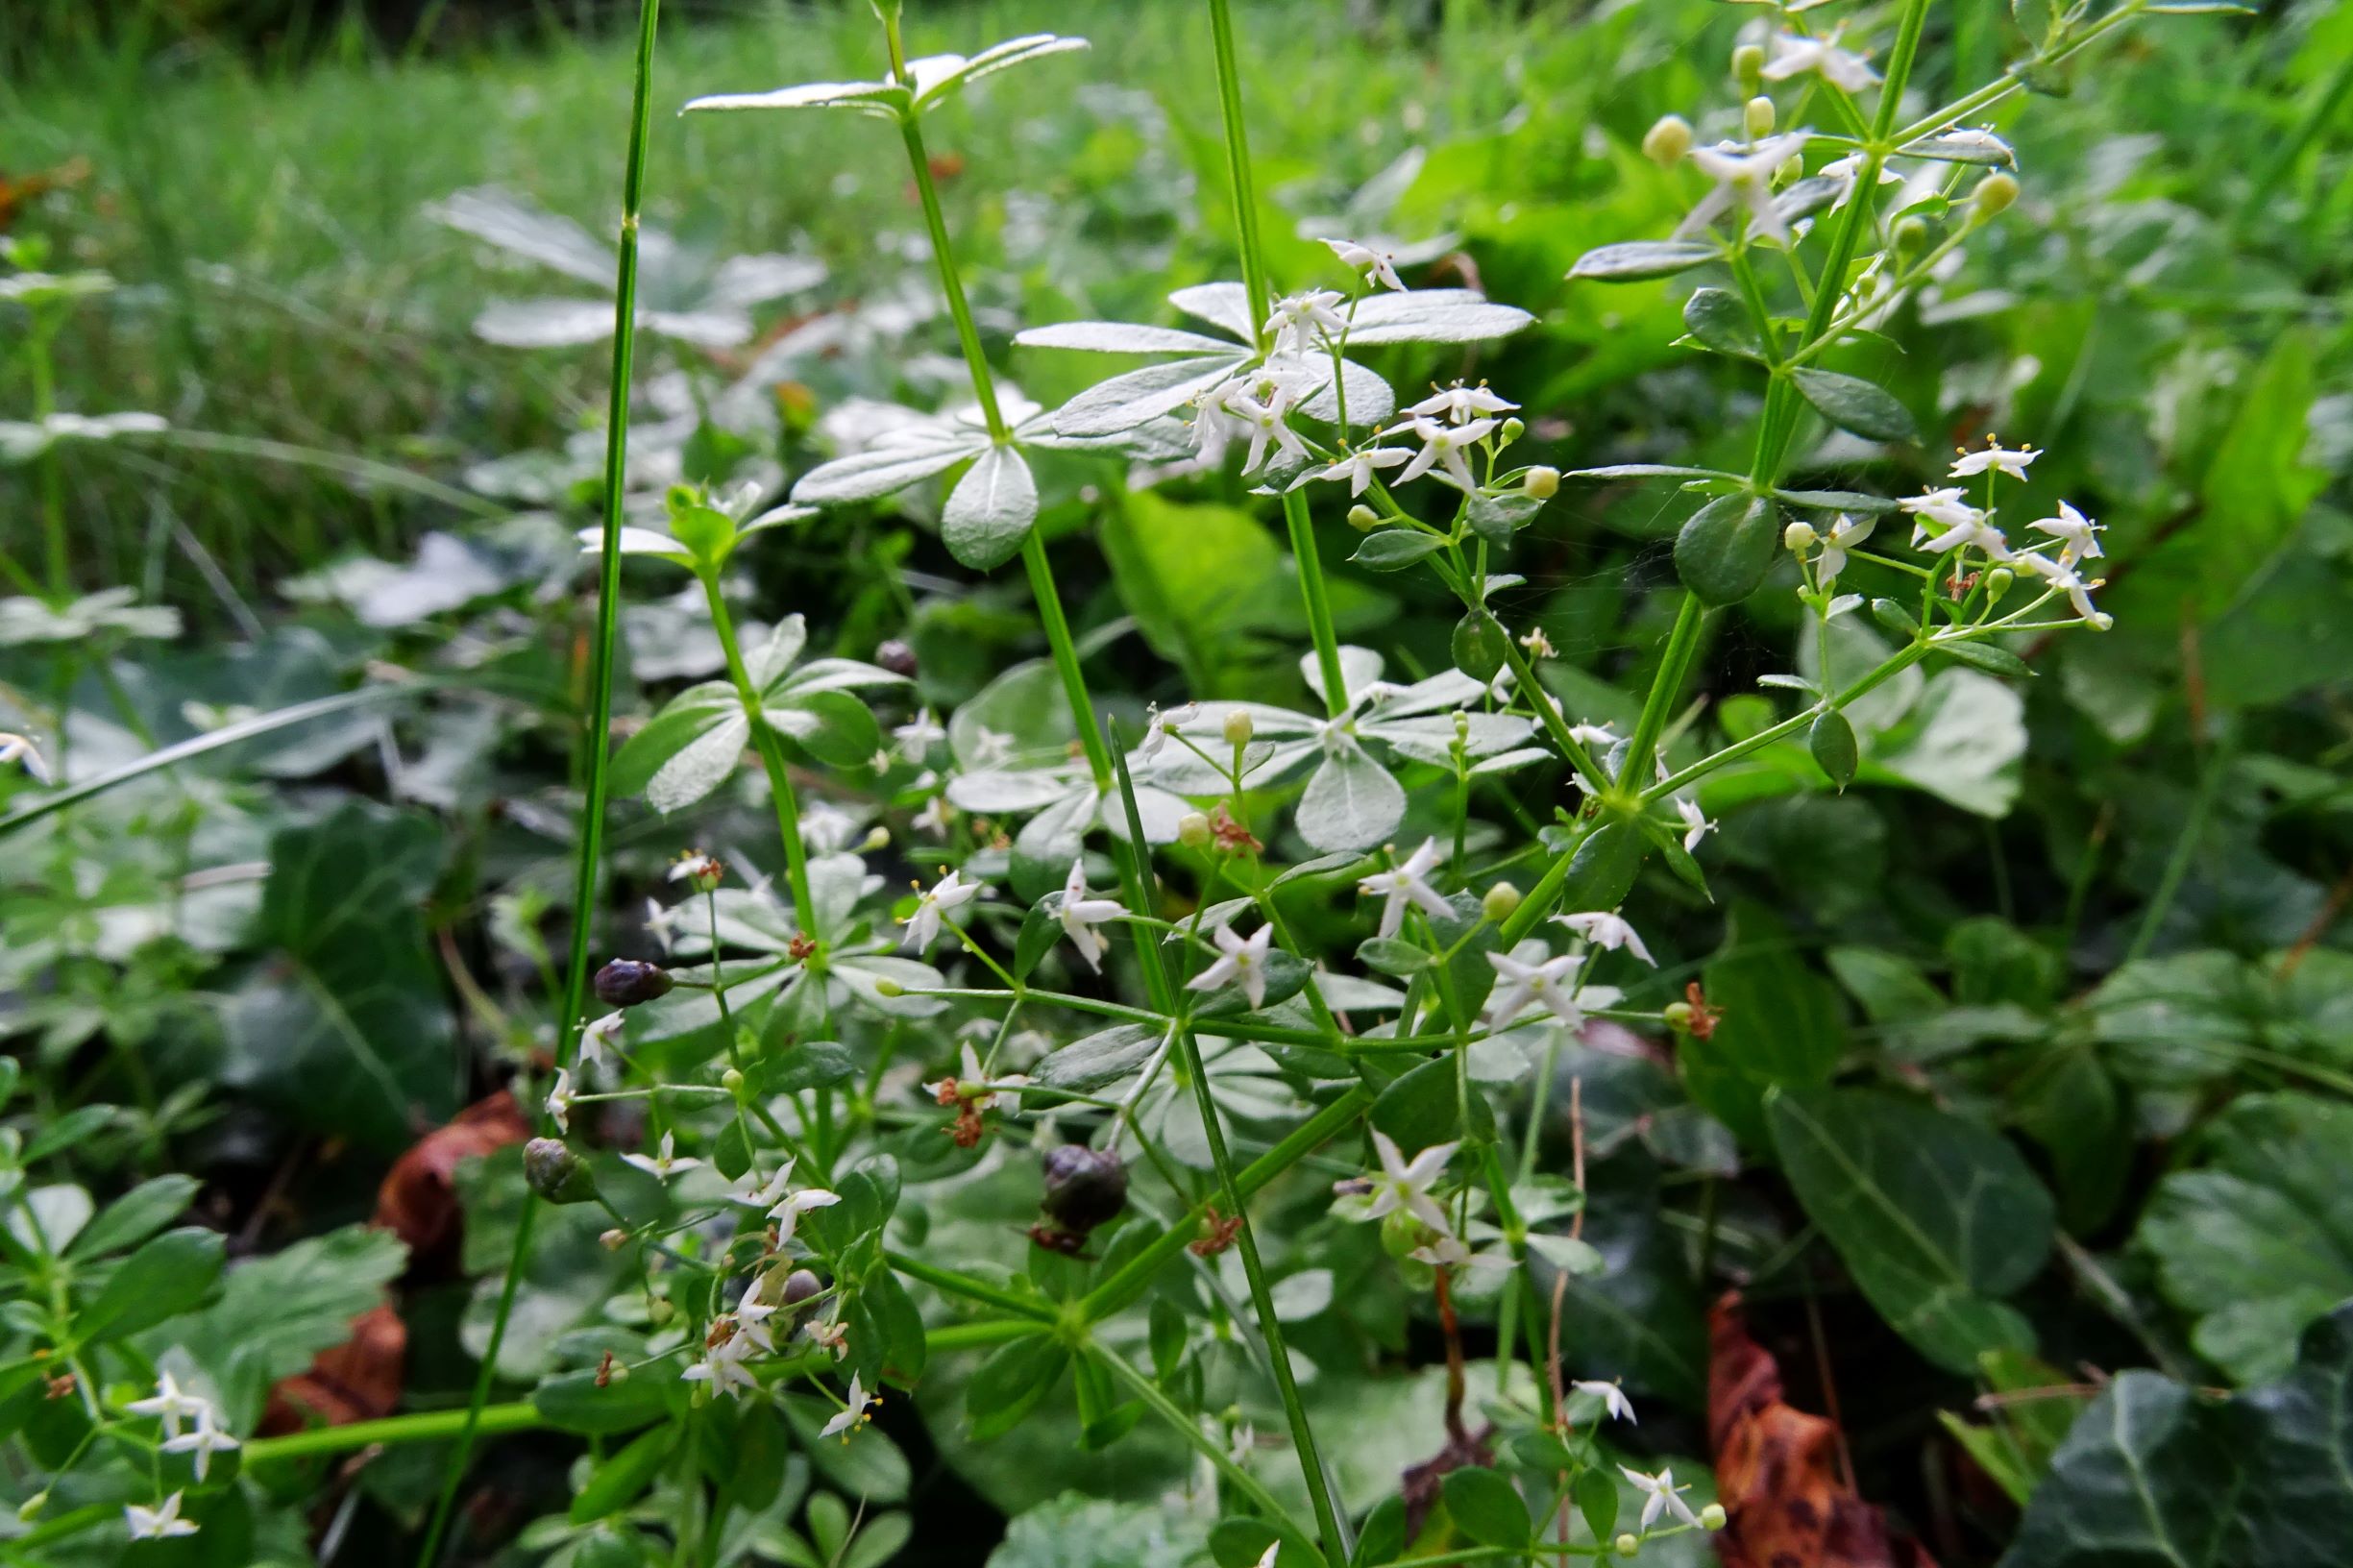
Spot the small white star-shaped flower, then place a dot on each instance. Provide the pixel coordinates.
(1606, 928)
(169, 1404)
(935, 817)
(1452, 1252)
(1265, 421)
(918, 735)
(990, 747)
(1459, 405)
(2063, 578)
(1405, 1183)
(1745, 177)
(597, 1037)
(1239, 960)
(2078, 535)
(203, 1440)
(667, 1163)
(20, 750)
(1080, 914)
(159, 1522)
(1307, 319)
(1660, 1495)
(1407, 883)
(827, 1334)
(1614, 1403)
(2013, 462)
(1551, 983)
(1357, 467)
(1593, 735)
(559, 1100)
(962, 1087)
(696, 868)
(1376, 265)
(1959, 525)
(1844, 535)
(1443, 446)
(935, 904)
(853, 1414)
(724, 1366)
(1696, 824)
(1841, 68)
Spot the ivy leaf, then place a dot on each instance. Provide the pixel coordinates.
(1935, 1216)
(1853, 404)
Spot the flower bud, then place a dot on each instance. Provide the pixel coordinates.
(1627, 1544)
(1994, 193)
(1799, 535)
(1676, 1016)
(877, 837)
(555, 1173)
(732, 1081)
(1362, 518)
(1501, 903)
(618, 1372)
(1748, 67)
(1238, 728)
(625, 982)
(1194, 830)
(1512, 429)
(885, 986)
(1998, 583)
(1541, 483)
(1713, 1516)
(896, 656)
(33, 1506)
(1758, 117)
(1911, 236)
(1084, 1188)
(1666, 143)
(659, 1310)
(614, 1240)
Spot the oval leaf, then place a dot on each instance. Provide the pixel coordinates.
(990, 511)
(1853, 404)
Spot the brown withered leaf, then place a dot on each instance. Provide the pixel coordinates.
(1777, 1471)
(358, 1380)
(418, 1198)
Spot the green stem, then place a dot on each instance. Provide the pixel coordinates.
(770, 745)
(593, 738)
(1065, 657)
(1187, 1428)
(957, 1284)
(419, 1427)
(1673, 665)
(942, 255)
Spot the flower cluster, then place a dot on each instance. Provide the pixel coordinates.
(172, 1405)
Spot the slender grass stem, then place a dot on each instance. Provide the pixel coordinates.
(594, 739)
(772, 761)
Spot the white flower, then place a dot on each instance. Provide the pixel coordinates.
(17, 748)
(661, 924)
(1405, 1183)
(1357, 467)
(1841, 68)
(853, 1414)
(1538, 645)
(1845, 170)
(935, 817)
(1971, 464)
(1961, 525)
(559, 1100)
(759, 1195)
(1844, 535)
(1452, 1252)
(1608, 929)
(827, 829)
(1306, 318)
(1215, 428)
(597, 1037)
(1593, 735)
(942, 898)
(722, 1366)
(697, 868)
(204, 1441)
(2062, 577)
(1553, 983)
(827, 1334)
(159, 1522)
(2078, 535)
(1265, 422)
(1461, 404)
(1241, 960)
(751, 1315)
(170, 1405)
(1660, 1495)
(1080, 914)
(1614, 1403)
(989, 749)
(1743, 178)
(1406, 885)
(788, 1211)
(917, 735)
(1444, 445)
(1377, 265)
(1696, 825)
(667, 1163)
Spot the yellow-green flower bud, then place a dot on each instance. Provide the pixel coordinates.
(1362, 518)
(1513, 429)
(1994, 193)
(1239, 728)
(1713, 1517)
(1540, 483)
(1998, 583)
(1194, 830)
(1627, 1544)
(659, 1310)
(884, 985)
(1666, 143)
(1748, 67)
(1501, 903)
(1911, 236)
(1758, 116)
(1799, 535)
(31, 1506)
(1677, 1016)
(732, 1081)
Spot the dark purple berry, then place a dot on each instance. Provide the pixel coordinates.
(625, 982)
(896, 656)
(799, 1285)
(1084, 1188)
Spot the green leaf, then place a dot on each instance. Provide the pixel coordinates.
(990, 510)
(841, 731)
(1853, 404)
(615, 1483)
(892, 1311)
(1602, 872)
(813, 1063)
(1205, 584)
(1010, 1383)
(1717, 318)
(346, 1028)
(683, 720)
(1779, 1026)
(2154, 1474)
(1726, 548)
(1985, 656)
(572, 1402)
(1596, 1492)
(1641, 258)
(135, 1215)
(1936, 1216)
(1831, 740)
(1486, 1506)
(1381, 1539)
(1351, 801)
(164, 1278)
(2258, 1241)
(1393, 549)
(1481, 645)
(1424, 1107)
(731, 1151)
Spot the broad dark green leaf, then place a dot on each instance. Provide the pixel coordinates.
(1603, 870)
(1726, 548)
(1481, 645)
(616, 1482)
(1936, 1216)
(1717, 318)
(1781, 1026)
(1393, 549)
(1831, 740)
(161, 1280)
(1010, 1383)
(1486, 1506)
(1853, 404)
(1985, 656)
(135, 1217)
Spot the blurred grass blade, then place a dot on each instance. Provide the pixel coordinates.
(595, 748)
